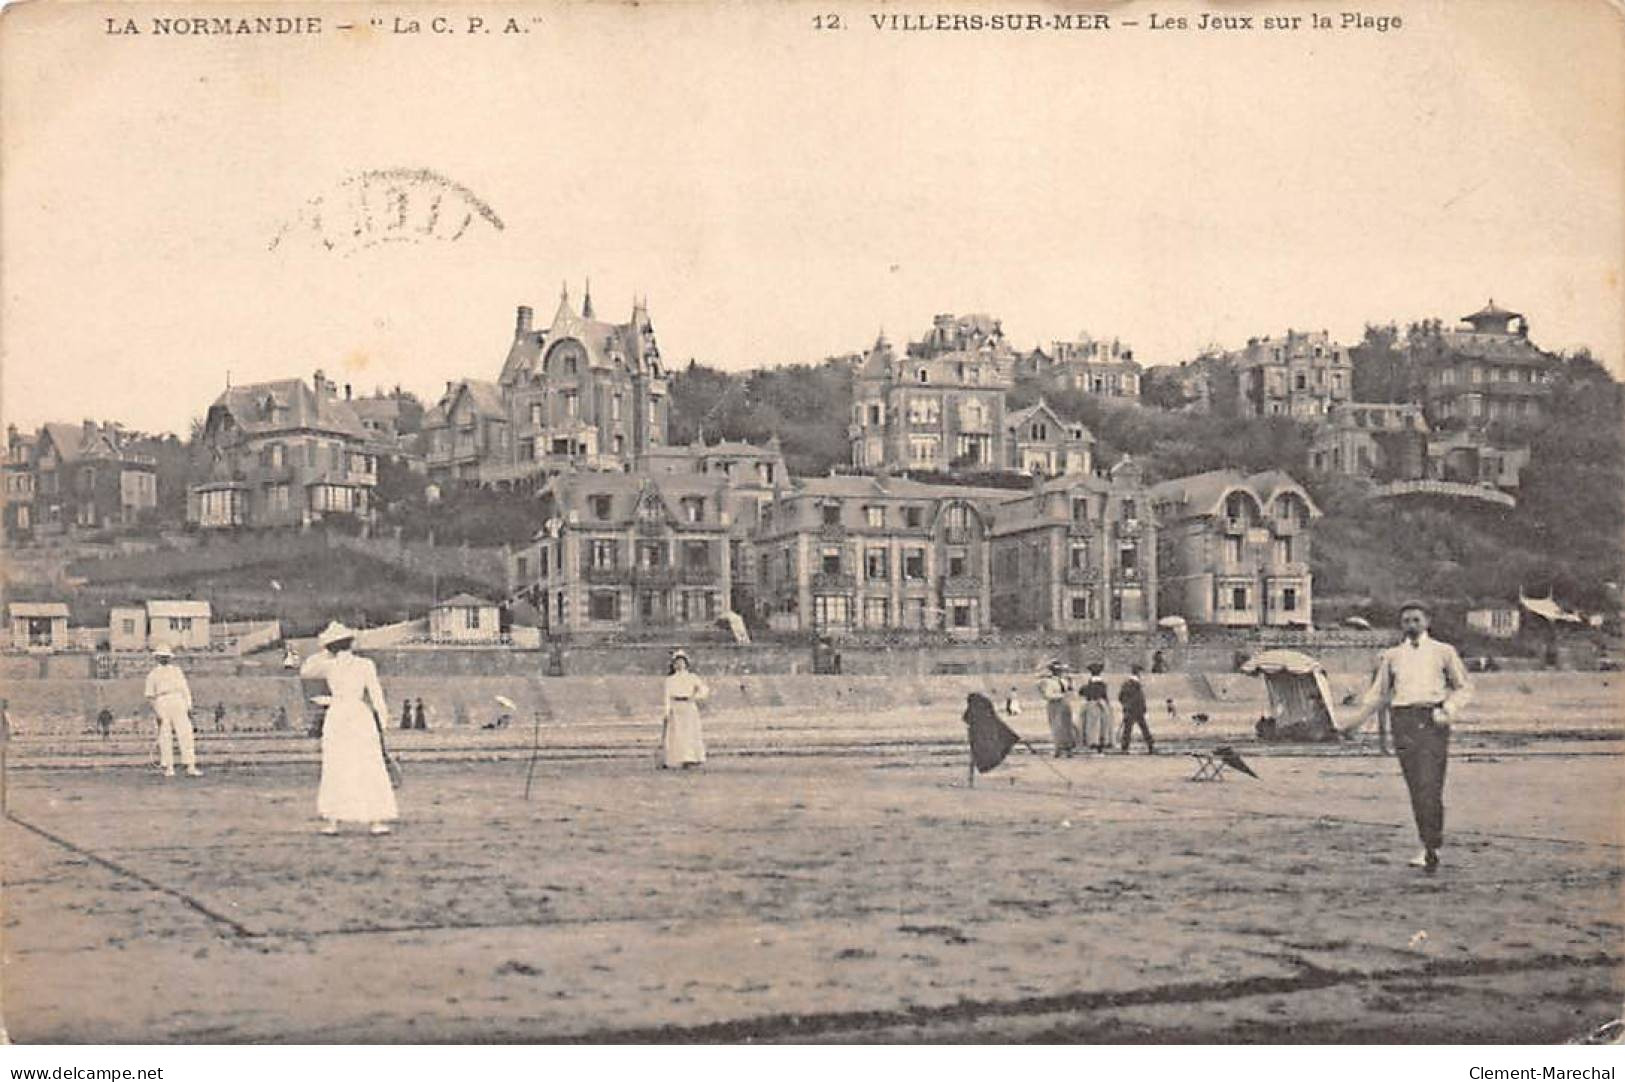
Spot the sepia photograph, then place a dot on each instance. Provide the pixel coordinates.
(704, 522)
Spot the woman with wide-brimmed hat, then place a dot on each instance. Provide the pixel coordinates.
(355, 784)
(681, 743)
(1053, 688)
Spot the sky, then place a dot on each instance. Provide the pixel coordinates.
(780, 193)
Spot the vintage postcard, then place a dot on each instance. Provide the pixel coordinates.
(863, 522)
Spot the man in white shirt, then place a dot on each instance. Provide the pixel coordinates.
(1424, 685)
(171, 700)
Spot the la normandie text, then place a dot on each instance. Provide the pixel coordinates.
(206, 25)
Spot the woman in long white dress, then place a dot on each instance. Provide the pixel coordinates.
(355, 784)
(682, 744)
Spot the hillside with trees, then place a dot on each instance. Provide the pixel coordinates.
(807, 406)
(1564, 535)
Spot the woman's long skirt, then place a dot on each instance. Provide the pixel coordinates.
(1097, 723)
(1061, 729)
(683, 742)
(355, 784)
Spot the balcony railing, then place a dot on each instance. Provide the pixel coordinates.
(655, 576)
(961, 585)
(604, 575)
(699, 575)
(1081, 576)
(831, 531)
(1233, 524)
(957, 535)
(833, 581)
(1129, 527)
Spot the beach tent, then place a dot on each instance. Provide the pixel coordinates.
(1177, 626)
(1300, 696)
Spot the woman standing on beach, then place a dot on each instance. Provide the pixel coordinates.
(1053, 688)
(355, 785)
(1097, 711)
(681, 743)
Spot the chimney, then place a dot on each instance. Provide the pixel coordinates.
(347, 392)
(90, 431)
(522, 324)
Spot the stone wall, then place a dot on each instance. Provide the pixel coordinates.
(67, 706)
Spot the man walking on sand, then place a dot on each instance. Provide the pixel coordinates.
(171, 700)
(1424, 685)
(1132, 697)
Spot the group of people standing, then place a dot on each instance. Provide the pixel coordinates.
(1421, 682)
(1090, 724)
(414, 718)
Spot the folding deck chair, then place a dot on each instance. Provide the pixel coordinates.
(1209, 767)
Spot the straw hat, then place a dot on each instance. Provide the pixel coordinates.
(163, 649)
(680, 653)
(334, 632)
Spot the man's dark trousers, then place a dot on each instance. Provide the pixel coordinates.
(1127, 736)
(1424, 748)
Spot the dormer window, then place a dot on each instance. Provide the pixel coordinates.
(600, 507)
(923, 376)
(832, 514)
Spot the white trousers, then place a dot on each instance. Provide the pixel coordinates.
(174, 723)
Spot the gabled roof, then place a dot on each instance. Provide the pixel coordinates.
(385, 409)
(1064, 428)
(484, 396)
(246, 403)
(1489, 312)
(53, 609)
(1547, 608)
(627, 346)
(1204, 493)
(1024, 510)
(464, 601)
(72, 446)
(178, 608)
(571, 491)
(900, 488)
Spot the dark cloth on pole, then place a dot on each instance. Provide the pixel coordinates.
(1423, 746)
(1231, 758)
(990, 738)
